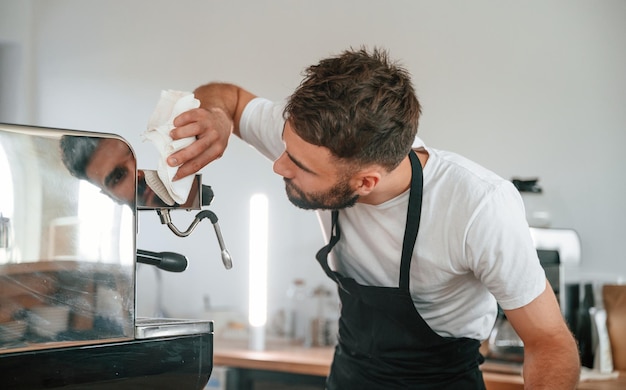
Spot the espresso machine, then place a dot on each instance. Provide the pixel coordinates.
(68, 261)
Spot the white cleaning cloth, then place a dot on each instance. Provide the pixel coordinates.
(171, 104)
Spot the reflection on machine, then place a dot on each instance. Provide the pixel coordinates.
(67, 270)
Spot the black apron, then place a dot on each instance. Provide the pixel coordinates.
(383, 342)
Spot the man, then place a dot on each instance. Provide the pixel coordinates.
(423, 242)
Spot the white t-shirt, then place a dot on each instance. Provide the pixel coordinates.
(473, 247)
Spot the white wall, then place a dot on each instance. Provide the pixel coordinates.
(531, 88)
(16, 81)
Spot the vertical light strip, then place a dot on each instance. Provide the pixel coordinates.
(257, 299)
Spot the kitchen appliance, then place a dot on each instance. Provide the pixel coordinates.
(559, 251)
(67, 296)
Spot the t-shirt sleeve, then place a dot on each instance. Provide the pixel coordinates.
(501, 250)
(261, 126)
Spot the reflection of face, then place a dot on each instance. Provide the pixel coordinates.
(112, 168)
(311, 174)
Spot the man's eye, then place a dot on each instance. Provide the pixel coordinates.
(115, 177)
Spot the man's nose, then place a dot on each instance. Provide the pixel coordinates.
(283, 166)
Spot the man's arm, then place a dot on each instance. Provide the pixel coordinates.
(221, 106)
(551, 359)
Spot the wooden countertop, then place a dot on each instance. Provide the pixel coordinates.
(283, 358)
(280, 356)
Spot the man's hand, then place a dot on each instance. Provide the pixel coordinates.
(211, 127)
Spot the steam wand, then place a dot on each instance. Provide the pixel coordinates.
(164, 215)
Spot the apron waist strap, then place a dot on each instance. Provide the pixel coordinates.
(459, 371)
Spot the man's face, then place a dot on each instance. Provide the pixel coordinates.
(313, 179)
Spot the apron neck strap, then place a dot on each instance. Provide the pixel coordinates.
(412, 220)
(322, 254)
(410, 232)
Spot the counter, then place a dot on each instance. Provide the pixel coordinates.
(283, 362)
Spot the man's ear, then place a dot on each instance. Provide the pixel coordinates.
(366, 180)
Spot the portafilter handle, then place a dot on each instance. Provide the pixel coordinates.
(167, 261)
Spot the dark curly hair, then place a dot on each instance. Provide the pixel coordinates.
(359, 105)
(76, 152)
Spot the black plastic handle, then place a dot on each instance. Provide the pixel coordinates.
(167, 261)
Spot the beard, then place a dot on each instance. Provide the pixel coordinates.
(340, 196)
